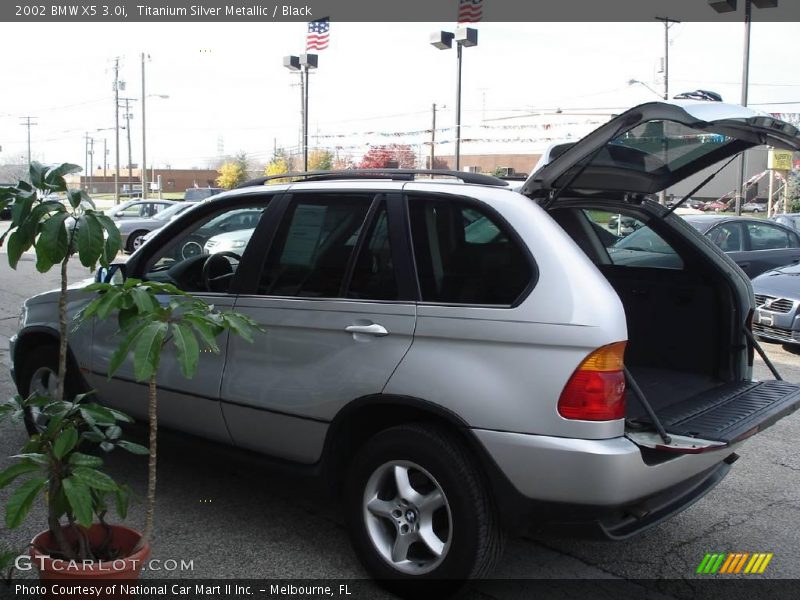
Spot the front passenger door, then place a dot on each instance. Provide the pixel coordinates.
(190, 405)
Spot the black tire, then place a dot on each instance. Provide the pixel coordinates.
(37, 358)
(474, 541)
(129, 246)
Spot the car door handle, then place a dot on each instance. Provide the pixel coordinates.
(373, 329)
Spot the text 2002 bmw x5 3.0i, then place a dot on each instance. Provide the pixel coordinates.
(461, 358)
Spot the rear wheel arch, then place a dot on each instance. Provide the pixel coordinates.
(364, 417)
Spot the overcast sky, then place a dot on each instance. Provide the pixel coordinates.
(227, 86)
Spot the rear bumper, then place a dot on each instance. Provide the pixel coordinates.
(599, 473)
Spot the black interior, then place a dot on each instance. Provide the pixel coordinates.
(678, 319)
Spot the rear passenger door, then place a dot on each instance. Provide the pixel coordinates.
(338, 317)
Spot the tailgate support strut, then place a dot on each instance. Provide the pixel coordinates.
(754, 342)
(637, 391)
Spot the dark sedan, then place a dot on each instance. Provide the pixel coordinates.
(754, 244)
(778, 304)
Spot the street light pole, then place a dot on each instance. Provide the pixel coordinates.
(725, 6)
(303, 63)
(143, 168)
(116, 128)
(443, 40)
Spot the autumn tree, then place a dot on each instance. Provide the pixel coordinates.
(320, 159)
(281, 163)
(233, 171)
(391, 156)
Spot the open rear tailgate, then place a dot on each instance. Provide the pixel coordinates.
(723, 415)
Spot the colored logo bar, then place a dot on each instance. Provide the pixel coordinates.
(734, 563)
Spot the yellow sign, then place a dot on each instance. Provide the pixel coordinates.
(779, 160)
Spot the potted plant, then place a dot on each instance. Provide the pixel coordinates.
(54, 463)
(147, 327)
(153, 316)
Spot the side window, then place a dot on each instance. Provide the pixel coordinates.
(768, 237)
(373, 273)
(728, 237)
(134, 210)
(631, 243)
(206, 256)
(464, 255)
(313, 246)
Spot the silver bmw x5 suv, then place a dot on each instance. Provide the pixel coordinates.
(460, 359)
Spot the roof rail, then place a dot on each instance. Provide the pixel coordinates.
(393, 174)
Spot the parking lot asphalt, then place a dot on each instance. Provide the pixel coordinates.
(234, 518)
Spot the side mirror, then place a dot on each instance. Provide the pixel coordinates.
(114, 274)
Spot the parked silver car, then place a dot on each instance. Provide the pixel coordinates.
(133, 230)
(460, 359)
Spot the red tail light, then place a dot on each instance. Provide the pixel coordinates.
(596, 390)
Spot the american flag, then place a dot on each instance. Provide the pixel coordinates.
(470, 11)
(317, 37)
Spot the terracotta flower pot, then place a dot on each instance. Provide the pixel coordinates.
(123, 540)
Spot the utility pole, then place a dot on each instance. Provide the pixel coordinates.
(667, 24)
(85, 154)
(105, 158)
(28, 124)
(128, 117)
(116, 127)
(91, 163)
(433, 137)
(662, 196)
(143, 168)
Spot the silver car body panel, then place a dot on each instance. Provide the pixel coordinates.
(597, 472)
(270, 402)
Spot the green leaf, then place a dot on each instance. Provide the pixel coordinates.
(188, 348)
(78, 459)
(106, 446)
(147, 351)
(17, 244)
(94, 479)
(122, 498)
(80, 500)
(144, 300)
(37, 172)
(53, 242)
(77, 197)
(39, 459)
(133, 448)
(22, 208)
(89, 240)
(113, 243)
(114, 432)
(65, 442)
(54, 176)
(99, 414)
(14, 471)
(20, 502)
(207, 332)
(121, 416)
(121, 353)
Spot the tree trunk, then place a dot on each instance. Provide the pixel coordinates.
(152, 406)
(54, 525)
(62, 331)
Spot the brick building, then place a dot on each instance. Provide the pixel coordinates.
(172, 180)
